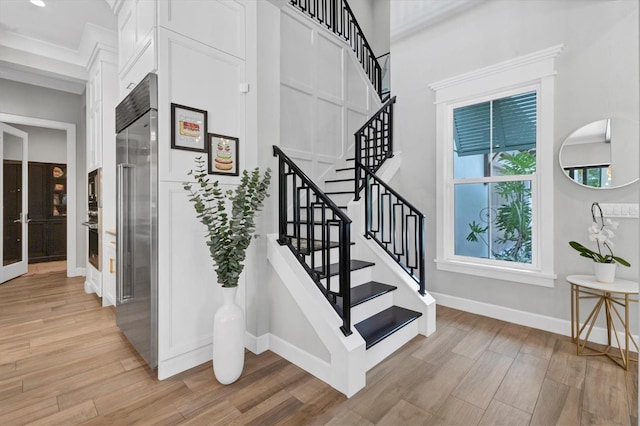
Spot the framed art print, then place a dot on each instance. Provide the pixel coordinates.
(188, 128)
(223, 155)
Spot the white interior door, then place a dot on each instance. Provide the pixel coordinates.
(14, 196)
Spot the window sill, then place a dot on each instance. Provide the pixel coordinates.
(497, 272)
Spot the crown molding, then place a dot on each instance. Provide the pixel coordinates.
(408, 17)
(42, 62)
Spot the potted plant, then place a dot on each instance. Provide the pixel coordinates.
(513, 217)
(600, 232)
(230, 220)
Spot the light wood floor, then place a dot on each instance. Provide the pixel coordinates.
(46, 267)
(63, 361)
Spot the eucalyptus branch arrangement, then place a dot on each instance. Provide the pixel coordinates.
(228, 235)
(601, 232)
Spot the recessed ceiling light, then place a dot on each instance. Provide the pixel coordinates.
(39, 3)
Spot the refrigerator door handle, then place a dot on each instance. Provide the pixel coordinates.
(122, 231)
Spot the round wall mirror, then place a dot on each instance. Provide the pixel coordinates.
(603, 154)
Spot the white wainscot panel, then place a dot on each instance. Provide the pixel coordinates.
(297, 60)
(324, 167)
(329, 135)
(187, 279)
(219, 24)
(146, 18)
(297, 123)
(357, 87)
(304, 161)
(355, 120)
(127, 34)
(330, 70)
(204, 78)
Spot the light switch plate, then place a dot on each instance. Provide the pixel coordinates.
(626, 210)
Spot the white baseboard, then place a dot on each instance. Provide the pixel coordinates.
(185, 361)
(308, 362)
(541, 322)
(90, 287)
(257, 345)
(77, 272)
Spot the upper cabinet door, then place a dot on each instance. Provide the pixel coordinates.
(219, 24)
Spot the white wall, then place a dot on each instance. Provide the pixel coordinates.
(39, 102)
(323, 96)
(202, 61)
(597, 77)
(381, 35)
(46, 145)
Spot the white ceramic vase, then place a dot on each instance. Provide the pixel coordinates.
(604, 272)
(228, 339)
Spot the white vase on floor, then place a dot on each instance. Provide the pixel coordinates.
(604, 272)
(228, 339)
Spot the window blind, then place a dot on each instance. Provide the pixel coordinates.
(514, 125)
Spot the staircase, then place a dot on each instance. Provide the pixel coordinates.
(364, 255)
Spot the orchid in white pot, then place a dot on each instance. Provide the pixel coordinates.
(601, 232)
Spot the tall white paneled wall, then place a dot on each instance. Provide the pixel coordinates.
(199, 52)
(324, 97)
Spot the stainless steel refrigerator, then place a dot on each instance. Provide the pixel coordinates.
(137, 218)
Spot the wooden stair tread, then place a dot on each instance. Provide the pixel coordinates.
(316, 246)
(365, 292)
(376, 328)
(370, 290)
(334, 268)
(338, 192)
(306, 208)
(339, 180)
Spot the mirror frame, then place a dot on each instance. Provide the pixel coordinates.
(562, 146)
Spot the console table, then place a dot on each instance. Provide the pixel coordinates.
(611, 296)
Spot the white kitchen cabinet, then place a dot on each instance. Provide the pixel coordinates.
(102, 92)
(136, 42)
(109, 270)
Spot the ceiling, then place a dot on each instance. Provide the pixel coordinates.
(61, 22)
(50, 46)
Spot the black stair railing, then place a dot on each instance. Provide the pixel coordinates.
(337, 16)
(310, 224)
(374, 143)
(396, 225)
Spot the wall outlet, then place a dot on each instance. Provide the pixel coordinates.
(626, 210)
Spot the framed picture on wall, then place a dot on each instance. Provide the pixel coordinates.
(188, 128)
(223, 155)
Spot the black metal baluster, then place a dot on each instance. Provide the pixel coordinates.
(345, 276)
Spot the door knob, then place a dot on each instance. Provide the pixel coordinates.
(17, 221)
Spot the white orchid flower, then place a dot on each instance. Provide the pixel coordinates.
(612, 223)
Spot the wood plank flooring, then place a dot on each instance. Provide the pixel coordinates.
(63, 361)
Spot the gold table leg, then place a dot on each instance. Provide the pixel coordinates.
(609, 302)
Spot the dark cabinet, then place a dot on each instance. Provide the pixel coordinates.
(47, 212)
(12, 208)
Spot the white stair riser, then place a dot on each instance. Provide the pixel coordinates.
(371, 307)
(358, 277)
(314, 231)
(340, 186)
(334, 257)
(392, 343)
(341, 199)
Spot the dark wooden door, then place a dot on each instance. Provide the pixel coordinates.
(47, 212)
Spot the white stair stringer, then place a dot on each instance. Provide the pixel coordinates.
(346, 368)
(406, 295)
(388, 271)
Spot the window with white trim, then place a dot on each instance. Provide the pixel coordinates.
(495, 170)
